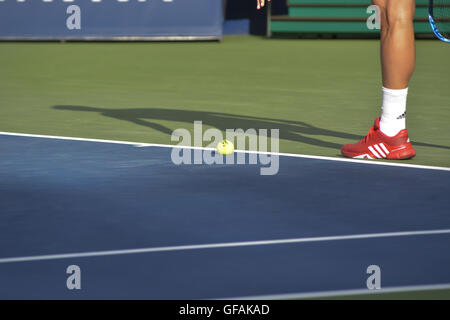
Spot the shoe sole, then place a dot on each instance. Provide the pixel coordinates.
(404, 154)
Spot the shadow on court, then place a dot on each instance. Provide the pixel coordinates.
(289, 129)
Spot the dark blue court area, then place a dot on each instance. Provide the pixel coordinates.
(99, 201)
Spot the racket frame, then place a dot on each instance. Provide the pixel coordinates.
(433, 24)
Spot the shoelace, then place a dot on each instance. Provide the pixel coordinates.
(369, 134)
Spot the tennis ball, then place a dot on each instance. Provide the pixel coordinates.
(225, 147)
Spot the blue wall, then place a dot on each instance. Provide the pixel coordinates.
(110, 18)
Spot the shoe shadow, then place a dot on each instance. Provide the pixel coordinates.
(296, 131)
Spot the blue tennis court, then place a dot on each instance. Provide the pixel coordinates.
(141, 227)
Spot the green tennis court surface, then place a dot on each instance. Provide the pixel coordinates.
(320, 94)
(143, 91)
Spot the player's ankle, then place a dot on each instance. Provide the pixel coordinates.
(391, 127)
(393, 115)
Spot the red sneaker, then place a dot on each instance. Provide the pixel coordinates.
(377, 145)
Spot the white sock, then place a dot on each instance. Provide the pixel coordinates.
(393, 111)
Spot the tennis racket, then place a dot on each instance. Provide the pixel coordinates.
(439, 16)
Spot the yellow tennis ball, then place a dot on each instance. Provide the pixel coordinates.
(225, 147)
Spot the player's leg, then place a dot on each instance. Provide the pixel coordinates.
(398, 55)
(397, 42)
(388, 138)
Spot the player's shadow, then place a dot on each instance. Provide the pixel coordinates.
(297, 131)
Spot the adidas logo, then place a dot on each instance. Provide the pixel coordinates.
(379, 150)
(402, 116)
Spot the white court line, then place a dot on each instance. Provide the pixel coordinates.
(292, 155)
(223, 245)
(340, 293)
